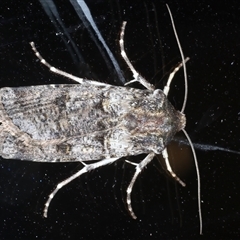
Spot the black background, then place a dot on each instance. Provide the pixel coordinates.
(93, 206)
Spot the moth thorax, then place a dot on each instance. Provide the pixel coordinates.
(181, 123)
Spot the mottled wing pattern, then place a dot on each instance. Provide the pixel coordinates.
(82, 122)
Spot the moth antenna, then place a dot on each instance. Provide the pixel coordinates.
(183, 60)
(198, 179)
(182, 110)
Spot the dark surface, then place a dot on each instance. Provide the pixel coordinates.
(93, 206)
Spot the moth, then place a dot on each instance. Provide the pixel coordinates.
(91, 121)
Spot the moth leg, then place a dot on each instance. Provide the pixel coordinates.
(62, 73)
(165, 156)
(137, 77)
(139, 167)
(86, 168)
(53, 69)
(171, 76)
